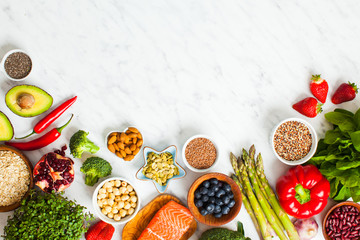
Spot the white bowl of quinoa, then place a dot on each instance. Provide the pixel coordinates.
(294, 141)
(200, 153)
(16, 178)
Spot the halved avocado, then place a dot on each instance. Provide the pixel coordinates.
(28, 100)
(6, 128)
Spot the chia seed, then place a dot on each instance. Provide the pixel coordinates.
(292, 140)
(18, 65)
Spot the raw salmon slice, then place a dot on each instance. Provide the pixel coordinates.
(169, 223)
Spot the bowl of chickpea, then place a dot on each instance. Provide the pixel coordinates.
(115, 201)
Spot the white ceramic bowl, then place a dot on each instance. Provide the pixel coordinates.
(313, 145)
(98, 210)
(3, 64)
(106, 141)
(196, 169)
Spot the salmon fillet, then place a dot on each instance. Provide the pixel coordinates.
(169, 223)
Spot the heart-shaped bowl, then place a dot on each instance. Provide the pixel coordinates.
(173, 151)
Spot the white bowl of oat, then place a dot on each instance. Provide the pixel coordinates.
(294, 141)
(16, 178)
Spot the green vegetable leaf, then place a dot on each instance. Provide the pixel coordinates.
(332, 136)
(344, 165)
(345, 123)
(343, 194)
(346, 112)
(334, 183)
(355, 138)
(355, 193)
(357, 119)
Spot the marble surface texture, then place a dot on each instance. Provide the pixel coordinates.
(229, 69)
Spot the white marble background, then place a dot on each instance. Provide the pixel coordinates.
(230, 69)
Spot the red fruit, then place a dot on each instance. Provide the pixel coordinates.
(54, 172)
(319, 88)
(308, 107)
(346, 92)
(106, 233)
(94, 230)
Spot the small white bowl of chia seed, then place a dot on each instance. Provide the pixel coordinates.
(294, 141)
(16, 65)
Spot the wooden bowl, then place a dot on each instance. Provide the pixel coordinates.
(210, 219)
(348, 203)
(30, 167)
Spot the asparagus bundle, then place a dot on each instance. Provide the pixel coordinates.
(259, 199)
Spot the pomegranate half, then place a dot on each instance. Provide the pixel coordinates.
(54, 172)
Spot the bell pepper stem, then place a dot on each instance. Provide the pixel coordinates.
(302, 194)
(64, 126)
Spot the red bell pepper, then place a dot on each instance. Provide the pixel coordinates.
(303, 191)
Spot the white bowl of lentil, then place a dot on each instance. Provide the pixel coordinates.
(116, 196)
(200, 153)
(294, 141)
(16, 65)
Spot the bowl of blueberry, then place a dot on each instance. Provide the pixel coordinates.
(214, 199)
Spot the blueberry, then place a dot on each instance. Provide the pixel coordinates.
(199, 203)
(214, 188)
(197, 194)
(206, 184)
(211, 193)
(219, 202)
(203, 190)
(231, 203)
(211, 200)
(220, 184)
(210, 207)
(225, 199)
(218, 215)
(227, 187)
(204, 212)
(217, 209)
(225, 210)
(230, 195)
(214, 181)
(205, 198)
(220, 193)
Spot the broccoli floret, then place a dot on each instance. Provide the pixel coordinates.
(79, 143)
(95, 168)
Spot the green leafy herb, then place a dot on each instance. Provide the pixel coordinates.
(225, 234)
(44, 216)
(338, 155)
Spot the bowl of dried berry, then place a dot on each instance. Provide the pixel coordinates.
(294, 141)
(342, 221)
(200, 153)
(16, 65)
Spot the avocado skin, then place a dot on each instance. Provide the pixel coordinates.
(222, 234)
(28, 89)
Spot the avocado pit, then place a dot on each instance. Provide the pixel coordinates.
(25, 100)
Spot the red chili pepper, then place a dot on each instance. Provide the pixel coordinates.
(40, 142)
(51, 117)
(303, 191)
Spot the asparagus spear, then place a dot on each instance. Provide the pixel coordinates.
(269, 213)
(259, 214)
(284, 218)
(251, 166)
(247, 205)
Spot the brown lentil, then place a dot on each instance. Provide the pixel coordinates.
(18, 65)
(292, 140)
(200, 153)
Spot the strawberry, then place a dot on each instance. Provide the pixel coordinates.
(94, 230)
(106, 233)
(319, 88)
(346, 92)
(308, 107)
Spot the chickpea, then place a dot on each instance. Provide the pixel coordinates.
(132, 193)
(129, 188)
(108, 209)
(121, 205)
(102, 191)
(123, 213)
(133, 199)
(124, 184)
(109, 190)
(117, 198)
(112, 183)
(117, 217)
(101, 196)
(114, 210)
(125, 197)
(111, 196)
(110, 215)
(107, 185)
(117, 183)
(122, 190)
(116, 191)
(127, 206)
(99, 203)
(130, 211)
(103, 211)
(133, 205)
(110, 202)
